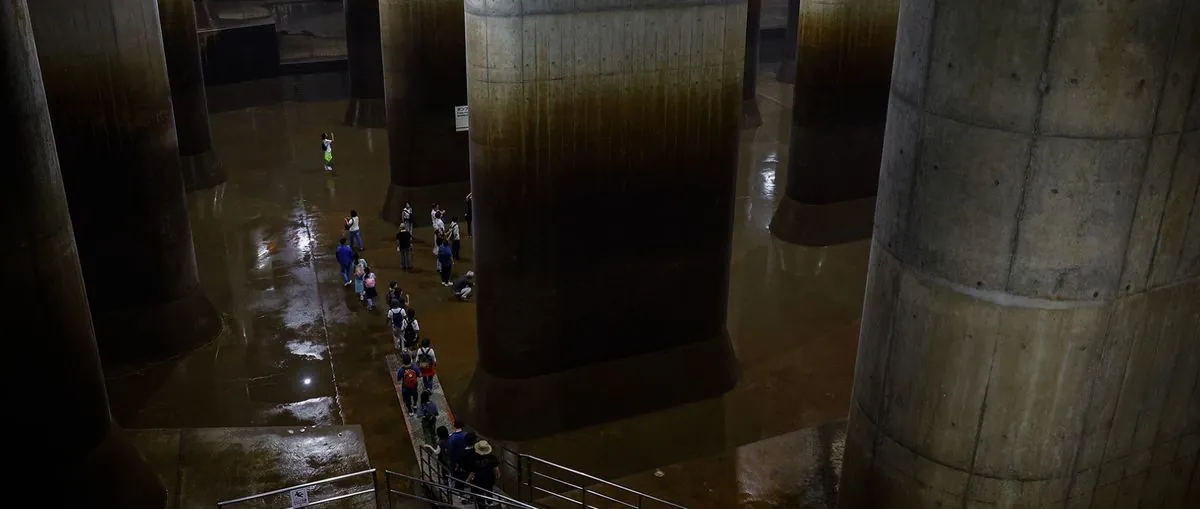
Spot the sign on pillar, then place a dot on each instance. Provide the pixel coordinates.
(461, 122)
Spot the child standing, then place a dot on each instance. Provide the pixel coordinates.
(327, 150)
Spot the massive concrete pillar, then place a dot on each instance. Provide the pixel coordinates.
(106, 82)
(843, 69)
(604, 147)
(1031, 332)
(365, 58)
(425, 78)
(787, 67)
(47, 313)
(751, 117)
(200, 166)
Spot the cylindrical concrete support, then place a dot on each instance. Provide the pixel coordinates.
(604, 146)
(47, 315)
(787, 67)
(106, 82)
(200, 166)
(1031, 332)
(840, 102)
(424, 77)
(751, 117)
(365, 58)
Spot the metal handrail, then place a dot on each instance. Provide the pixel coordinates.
(530, 474)
(306, 485)
(498, 498)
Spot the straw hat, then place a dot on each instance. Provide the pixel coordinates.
(483, 448)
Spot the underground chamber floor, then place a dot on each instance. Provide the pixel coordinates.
(298, 350)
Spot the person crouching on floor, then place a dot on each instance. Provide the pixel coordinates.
(464, 285)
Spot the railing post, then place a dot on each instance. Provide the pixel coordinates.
(583, 496)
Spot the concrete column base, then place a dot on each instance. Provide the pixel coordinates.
(154, 332)
(366, 113)
(751, 116)
(452, 197)
(115, 475)
(823, 225)
(787, 72)
(202, 171)
(527, 408)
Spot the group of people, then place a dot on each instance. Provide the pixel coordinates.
(467, 460)
(447, 246)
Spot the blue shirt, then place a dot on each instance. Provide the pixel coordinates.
(345, 255)
(457, 444)
(445, 255)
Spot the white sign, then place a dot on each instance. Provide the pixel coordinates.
(460, 118)
(299, 497)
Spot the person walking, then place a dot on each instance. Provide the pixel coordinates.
(408, 377)
(404, 240)
(411, 330)
(485, 471)
(360, 275)
(354, 229)
(427, 363)
(345, 258)
(406, 216)
(445, 257)
(467, 215)
(453, 233)
(429, 415)
(442, 452)
(327, 150)
(397, 319)
(369, 291)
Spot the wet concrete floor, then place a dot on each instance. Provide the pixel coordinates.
(299, 350)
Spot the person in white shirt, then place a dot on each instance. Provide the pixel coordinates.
(355, 231)
(398, 320)
(433, 213)
(327, 150)
(406, 216)
(455, 237)
(439, 227)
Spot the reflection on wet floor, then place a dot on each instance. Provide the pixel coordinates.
(299, 349)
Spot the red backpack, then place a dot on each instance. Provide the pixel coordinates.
(409, 379)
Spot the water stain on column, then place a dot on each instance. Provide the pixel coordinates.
(603, 182)
(424, 66)
(48, 314)
(364, 55)
(201, 168)
(843, 74)
(106, 80)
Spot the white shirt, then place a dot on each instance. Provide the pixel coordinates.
(354, 224)
(406, 214)
(393, 312)
(427, 350)
(328, 145)
(454, 231)
(438, 225)
(433, 215)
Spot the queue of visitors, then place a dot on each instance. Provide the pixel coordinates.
(463, 458)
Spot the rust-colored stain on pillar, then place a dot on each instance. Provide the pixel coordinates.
(604, 149)
(843, 71)
(424, 76)
(105, 78)
(201, 168)
(48, 315)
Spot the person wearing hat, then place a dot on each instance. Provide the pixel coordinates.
(463, 286)
(484, 473)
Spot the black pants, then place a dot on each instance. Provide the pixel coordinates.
(446, 273)
(410, 399)
(469, 226)
(486, 491)
(455, 247)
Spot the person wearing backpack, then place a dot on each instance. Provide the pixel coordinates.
(407, 376)
(397, 318)
(427, 363)
(429, 414)
(411, 330)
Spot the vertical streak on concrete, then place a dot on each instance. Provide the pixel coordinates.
(424, 76)
(840, 100)
(1087, 153)
(583, 120)
(787, 68)
(105, 78)
(48, 315)
(364, 54)
(201, 168)
(750, 115)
